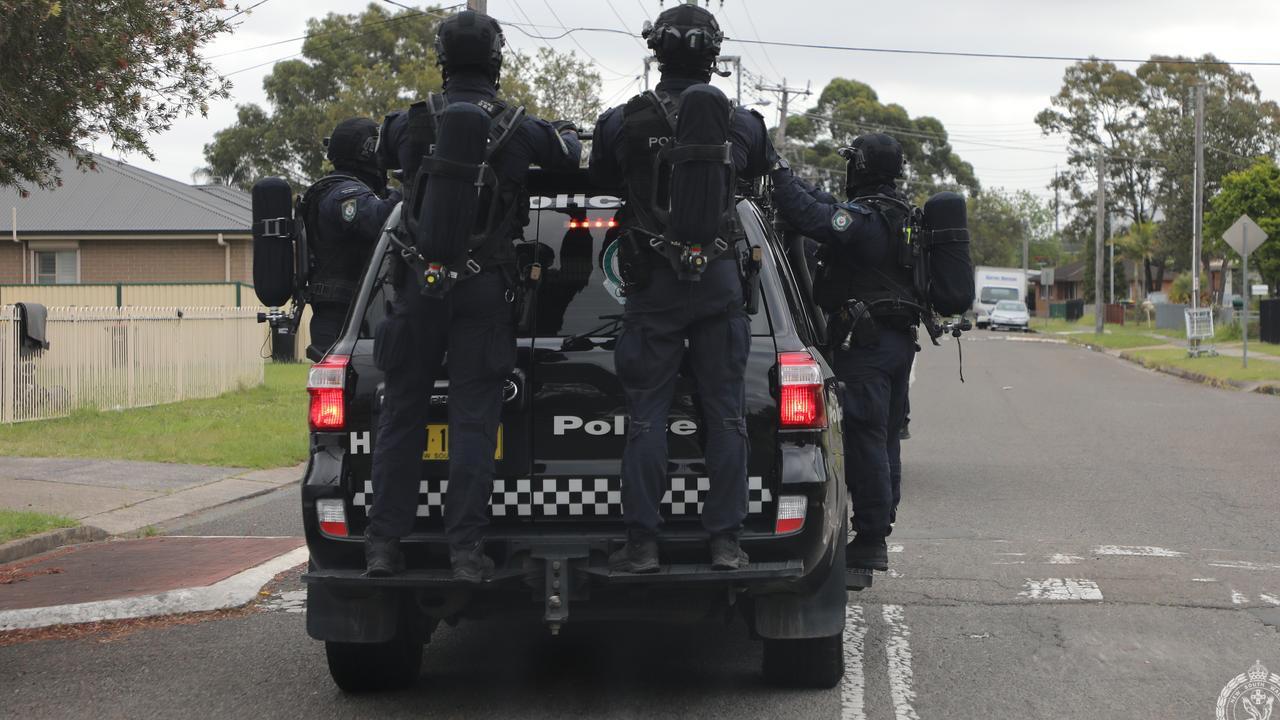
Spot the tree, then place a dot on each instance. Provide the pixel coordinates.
(1144, 123)
(1000, 221)
(76, 71)
(1142, 244)
(1254, 192)
(368, 65)
(848, 108)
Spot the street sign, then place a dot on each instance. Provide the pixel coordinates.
(1244, 236)
(1259, 291)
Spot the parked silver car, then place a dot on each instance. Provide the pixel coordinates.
(1010, 314)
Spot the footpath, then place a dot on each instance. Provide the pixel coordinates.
(115, 565)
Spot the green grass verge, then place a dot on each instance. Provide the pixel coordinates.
(1116, 337)
(20, 523)
(262, 427)
(1221, 368)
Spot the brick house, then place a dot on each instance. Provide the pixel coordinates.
(122, 224)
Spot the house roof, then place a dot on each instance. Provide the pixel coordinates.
(120, 198)
(1071, 272)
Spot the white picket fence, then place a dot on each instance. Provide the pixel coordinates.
(114, 358)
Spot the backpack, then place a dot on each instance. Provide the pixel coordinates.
(948, 268)
(455, 202)
(683, 200)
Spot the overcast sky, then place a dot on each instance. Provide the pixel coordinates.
(984, 103)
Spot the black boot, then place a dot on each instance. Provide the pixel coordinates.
(867, 553)
(639, 555)
(905, 433)
(382, 557)
(727, 554)
(470, 564)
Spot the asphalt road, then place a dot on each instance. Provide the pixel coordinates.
(1078, 537)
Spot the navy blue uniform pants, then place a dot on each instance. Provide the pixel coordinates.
(326, 324)
(875, 399)
(658, 322)
(474, 325)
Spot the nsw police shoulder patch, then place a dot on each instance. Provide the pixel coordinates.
(841, 220)
(349, 210)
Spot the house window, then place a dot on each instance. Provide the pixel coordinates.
(56, 267)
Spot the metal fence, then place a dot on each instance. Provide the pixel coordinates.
(115, 358)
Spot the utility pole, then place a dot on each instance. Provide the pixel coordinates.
(1099, 229)
(1055, 199)
(480, 6)
(786, 93)
(1197, 222)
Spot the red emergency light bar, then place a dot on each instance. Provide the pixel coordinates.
(575, 224)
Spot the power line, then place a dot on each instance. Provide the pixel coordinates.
(413, 12)
(373, 28)
(581, 47)
(1002, 56)
(751, 21)
(624, 24)
(242, 11)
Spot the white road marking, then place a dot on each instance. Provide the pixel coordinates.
(1238, 597)
(1064, 559)
(894, 573)
(898, 649)
(1204, 580)
(1269, 599)
(895, 548)
(1137, 551)
(1007, 562)
(1241, 565)
(1013, 554)
(1061, 589)
(852, 705)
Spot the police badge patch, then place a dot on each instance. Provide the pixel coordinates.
(841, 220)
(349, 210)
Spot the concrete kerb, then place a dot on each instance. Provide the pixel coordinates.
(51, 540)
(133, 519)
(235, 591)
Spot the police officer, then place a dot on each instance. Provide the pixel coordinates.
(862, 239)
(344, 212)
(473, 322)
(666, 311)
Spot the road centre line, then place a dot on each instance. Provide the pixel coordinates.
(898, 649)
(1137, 551)
(1238, 597)
(853, 686)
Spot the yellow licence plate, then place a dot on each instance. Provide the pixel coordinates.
(438, 442)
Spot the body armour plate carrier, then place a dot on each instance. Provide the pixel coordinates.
(680, 178)
(888, 289)
(334, 261)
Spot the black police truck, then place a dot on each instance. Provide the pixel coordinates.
(556, 503)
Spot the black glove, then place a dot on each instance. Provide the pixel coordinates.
(562, 126)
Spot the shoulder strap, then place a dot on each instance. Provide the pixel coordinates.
(505, 125)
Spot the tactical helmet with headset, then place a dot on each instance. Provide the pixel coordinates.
(873, 159)
(684, 37)
(470, 39)
(353, 145)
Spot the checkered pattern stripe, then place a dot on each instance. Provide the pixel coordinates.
(573, 497)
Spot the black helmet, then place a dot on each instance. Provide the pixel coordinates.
(874, 159)
(685, 37)
(353, 144)
(470, 39)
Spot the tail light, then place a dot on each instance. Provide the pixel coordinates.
(791, 510)
(332, 515)
(326, 384)
(801, 405)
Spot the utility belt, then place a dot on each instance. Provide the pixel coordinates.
(640, 250)
(858, 324)
(336, 291)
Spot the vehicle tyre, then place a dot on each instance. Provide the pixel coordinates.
(807, 663)
(370, 667)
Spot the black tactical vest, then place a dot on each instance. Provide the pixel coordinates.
(336, 259)
(888, 288)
